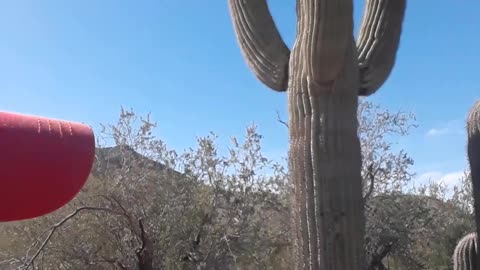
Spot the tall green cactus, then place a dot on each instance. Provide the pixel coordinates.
(323, 75)
(466, 255)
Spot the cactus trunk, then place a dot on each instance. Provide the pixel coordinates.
(325, 167)
(325, 160)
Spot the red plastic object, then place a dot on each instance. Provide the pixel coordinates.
(44, 163)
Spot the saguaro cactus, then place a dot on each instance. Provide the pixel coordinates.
(473, 149)
(323, 75)
(466, 256)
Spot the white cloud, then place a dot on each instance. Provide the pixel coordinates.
(451, 127)
(449, 179)
(453, 178)
(425, 177)
(438, 132)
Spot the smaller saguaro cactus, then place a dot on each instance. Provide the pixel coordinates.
(465, 253)
(466, 256)
(473, 131)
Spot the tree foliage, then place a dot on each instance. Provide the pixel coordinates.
(148, 207)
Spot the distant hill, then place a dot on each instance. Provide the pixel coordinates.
(118, 156)
(110, 159)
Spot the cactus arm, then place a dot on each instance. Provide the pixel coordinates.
(378, 42)
(266, 53)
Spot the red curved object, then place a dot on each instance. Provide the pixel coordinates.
(44, 163)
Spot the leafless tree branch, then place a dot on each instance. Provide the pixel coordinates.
(52, 230)
(371, 177)
(279, 119)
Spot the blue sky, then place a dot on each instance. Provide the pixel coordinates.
(179, 60)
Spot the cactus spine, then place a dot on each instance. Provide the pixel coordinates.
(466, 256)
(324, 73)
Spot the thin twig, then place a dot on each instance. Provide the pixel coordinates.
(56, 226)
(371, 177)
(279, 119)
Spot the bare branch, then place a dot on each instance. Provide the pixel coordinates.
(227, 241)
(371, 177)
(144, 253)
(142, 236)
(279, 119)
(31, 261)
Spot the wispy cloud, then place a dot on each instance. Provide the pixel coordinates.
(438, 132)
(450, 127)
(449, 179)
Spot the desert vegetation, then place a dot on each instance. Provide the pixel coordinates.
(146, 206)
